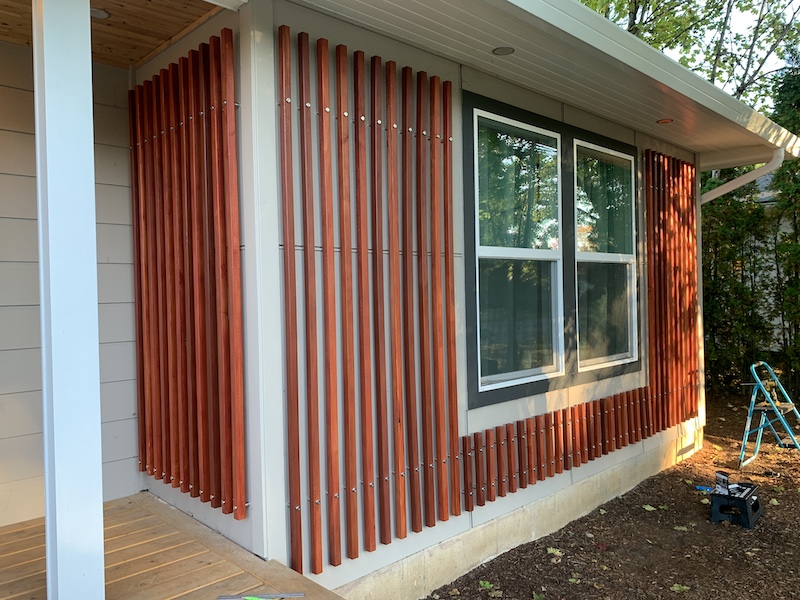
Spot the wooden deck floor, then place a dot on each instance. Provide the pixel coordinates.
(153, 552)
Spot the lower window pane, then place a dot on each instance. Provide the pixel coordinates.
(603, 311)
(516, 318)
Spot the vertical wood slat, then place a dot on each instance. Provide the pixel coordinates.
(346, 269)
(511, 457)
(566, 429)
(378, 313)
(289, 301)
(329, 307)
(449, 284)
(223, 421)
(502, 460)
(541, 447)
(393, 214)
(440, 416)
(364, 328)
(558, 440)
(522, 455)
(577, 439)
(491, 466)
(409, 329)
(532, 458)
(480, 468)
(468, 455)
(583, 410)
(309, 286)
(550, 443)
(424, 304)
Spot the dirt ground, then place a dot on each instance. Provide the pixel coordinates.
(657, 541)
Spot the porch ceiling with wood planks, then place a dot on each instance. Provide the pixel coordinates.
(135, 30)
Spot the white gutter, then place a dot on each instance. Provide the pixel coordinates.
(229, 4)
(733, 184)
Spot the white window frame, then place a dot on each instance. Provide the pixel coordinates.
(609, 258)
(555, 257)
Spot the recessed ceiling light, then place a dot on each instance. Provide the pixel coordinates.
(503, 51)
(98, 13)
(664, 121)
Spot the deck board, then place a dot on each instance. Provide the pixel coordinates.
(153, 552)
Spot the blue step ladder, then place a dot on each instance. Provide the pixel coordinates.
(774, 410)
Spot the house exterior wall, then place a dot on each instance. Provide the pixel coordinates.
(21, 459)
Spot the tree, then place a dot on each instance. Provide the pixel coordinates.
(739, 45)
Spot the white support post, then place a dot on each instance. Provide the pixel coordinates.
(68, 288)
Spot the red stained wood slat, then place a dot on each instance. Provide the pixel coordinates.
(378, 306)
(329, 306)
(558, 440)
(491, 466)
(210, 265)
(577, 438)
(364, 327)
(622, 411)
(532, 458)
(180, 442)
(591, 436)
(348, 331)
(649, 165)
(583, 409)
(409, 326)
(395, 294)
(223, 414)
(541, 447)
(289, 301)
(423, 299)
(597, 407)
(437, 318)
(502, 460)
(550, 444)
(157, 243)
(197, 191)
(522, 455)
(609, 431)
(511, 458)
(630, 401)
(230, 172)
(619, 420)
(310, 287)
(480, 468)
(469, 492)
(141, 306)
(449, 285)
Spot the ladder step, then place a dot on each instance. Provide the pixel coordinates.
(783, 407)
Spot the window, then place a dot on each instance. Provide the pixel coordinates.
(604, 216)
(552, 301)
(518, 230)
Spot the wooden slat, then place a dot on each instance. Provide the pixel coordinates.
(230, 172)
(437, 318)
(378, 306)
(577, 439)
(364, 327)
(348, 332)
(522, 454)
(423, 300)
(598, 428)
(511, 457)
(550, 444)
(609, 433)
(197, 201)
(491, 466)
(409, 325)
(449, 289)
(289, 301)
(583, 409)
(310, 286)
(395, 292)
(591, 433)
(502, 460)
(223, 414)
(469, 492)
(541, 447)
(329, 306)
(651, 308)
(191, 483)
(558, 440)
(480, 468)
(623, 409)
(533, 462)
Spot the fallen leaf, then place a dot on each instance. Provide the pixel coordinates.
(774, 502)
(680, 528)
(495, 594)
(663, 506)
(678, 588)
(688, 481)
(716, 446)
(454, 592)
(721, 419)
(589, 535)
(779, 488)
(705, 501)
(605, 567)
(604, 511)
(648, 508)
(537, 596)
(485, 584)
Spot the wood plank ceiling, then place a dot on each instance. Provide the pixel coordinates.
(134, 31)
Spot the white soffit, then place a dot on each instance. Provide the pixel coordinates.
(568, 52)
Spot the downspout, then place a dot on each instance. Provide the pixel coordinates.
(742, 180)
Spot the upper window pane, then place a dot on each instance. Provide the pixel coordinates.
(603, 201)
(518, 187)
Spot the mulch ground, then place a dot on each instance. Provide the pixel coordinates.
(657, 541)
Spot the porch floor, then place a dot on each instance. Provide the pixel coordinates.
(153, 551)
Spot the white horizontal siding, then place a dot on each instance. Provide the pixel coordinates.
(21, 467)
